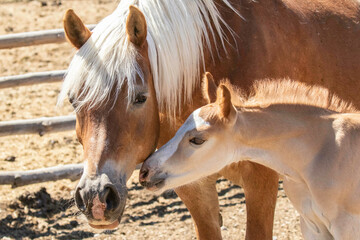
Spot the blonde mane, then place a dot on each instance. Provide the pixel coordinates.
(177, 33)
(269, 92)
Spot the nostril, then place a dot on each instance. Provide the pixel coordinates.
(143, 174)
(112, 198)
(79, 200)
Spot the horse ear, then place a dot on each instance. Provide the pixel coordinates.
(136, 28)
(75, 30)
(226, 109)
(209, 88)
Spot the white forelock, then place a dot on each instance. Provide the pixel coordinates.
(177, 33)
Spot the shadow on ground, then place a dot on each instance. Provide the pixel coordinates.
(38, 214)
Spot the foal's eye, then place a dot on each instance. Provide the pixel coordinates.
(141, 98)
(196, 141)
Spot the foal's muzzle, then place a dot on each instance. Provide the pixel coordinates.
(151, 180)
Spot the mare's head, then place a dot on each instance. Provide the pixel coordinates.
(110, 85)
(201, 147)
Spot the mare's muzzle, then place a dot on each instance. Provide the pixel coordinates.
(100, 200)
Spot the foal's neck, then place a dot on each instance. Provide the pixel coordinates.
(280, 140)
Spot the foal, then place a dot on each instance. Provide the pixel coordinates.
(289, 127)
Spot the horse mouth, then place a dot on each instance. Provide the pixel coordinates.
(155, 185)
(110, 226)
(106, 226)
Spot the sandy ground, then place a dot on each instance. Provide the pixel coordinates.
(34, 212)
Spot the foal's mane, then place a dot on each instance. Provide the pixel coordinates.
(178, 32)
(284, 91)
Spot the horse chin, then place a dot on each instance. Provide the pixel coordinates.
(106, 226)
(157, 188)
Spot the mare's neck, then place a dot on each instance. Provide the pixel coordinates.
(227, 63)
(280, 140)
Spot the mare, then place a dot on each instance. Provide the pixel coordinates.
(136, 78)
(306, 134)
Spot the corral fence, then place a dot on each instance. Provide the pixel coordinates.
(39, 126)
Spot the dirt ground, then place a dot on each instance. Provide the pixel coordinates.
(46, 211)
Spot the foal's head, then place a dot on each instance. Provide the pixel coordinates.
(117, 119)
(201, 146)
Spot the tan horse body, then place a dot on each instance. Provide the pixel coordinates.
(287, 127)
(125, 69)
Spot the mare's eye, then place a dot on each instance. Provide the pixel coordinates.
(72, 100)
(196, 141)
(140, 98)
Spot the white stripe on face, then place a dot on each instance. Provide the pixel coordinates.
(166, 151)
(194, 121)
(199, 121)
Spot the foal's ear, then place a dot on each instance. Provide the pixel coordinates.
(209, 88)
(136, 28)
(75, 30)
(226, 109)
